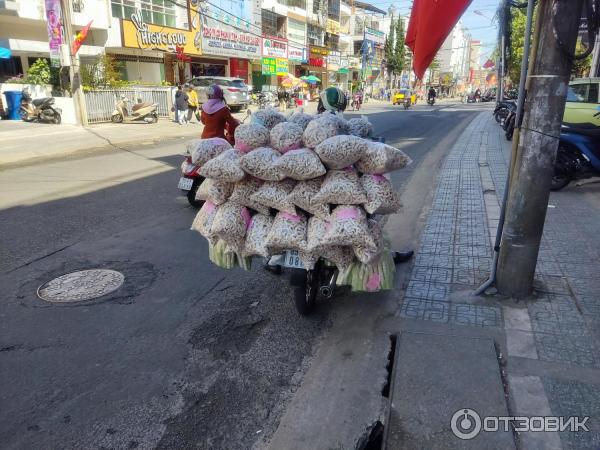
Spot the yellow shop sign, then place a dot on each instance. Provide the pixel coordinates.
(138, 34)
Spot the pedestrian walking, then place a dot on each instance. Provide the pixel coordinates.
(181, 105)
(282, 96)
(192, 104)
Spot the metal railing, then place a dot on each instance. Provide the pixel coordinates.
(101, 103)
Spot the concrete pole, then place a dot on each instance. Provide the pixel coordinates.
(74, 76)
(595, 70)
(538, 142)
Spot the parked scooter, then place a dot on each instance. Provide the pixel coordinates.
(141, 112)
(503, 109)
(40, 109)
(190, 179)
(578, 155)
(508, 123)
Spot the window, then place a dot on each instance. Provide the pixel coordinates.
(273, 24)
(159, 12)
(203, 82)
(296, 31)
(333, 9)
(332, 41)
(593, 94)
(293, 3)
(10, 67)
(578, 93)
(315, 35)
(123, 9)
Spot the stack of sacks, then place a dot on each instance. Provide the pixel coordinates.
(310, 184)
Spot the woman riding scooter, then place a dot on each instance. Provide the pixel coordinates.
(216, 116)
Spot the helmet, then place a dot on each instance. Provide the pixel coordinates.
(333, 99)
(214, 92)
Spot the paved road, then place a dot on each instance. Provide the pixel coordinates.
(184, 355)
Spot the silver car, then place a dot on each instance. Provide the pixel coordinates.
(235, 90)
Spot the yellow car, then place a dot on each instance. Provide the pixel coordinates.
(398, 98)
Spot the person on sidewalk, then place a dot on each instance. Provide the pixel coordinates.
(192, 104)
(216, 116)
(181, 106)
(282, 96)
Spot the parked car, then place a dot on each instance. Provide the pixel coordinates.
(235, 90)
(582, 103)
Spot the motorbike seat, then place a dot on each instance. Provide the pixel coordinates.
(40, 101)
(141, 105)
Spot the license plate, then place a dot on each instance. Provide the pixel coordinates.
(292, 259)
(185, 184)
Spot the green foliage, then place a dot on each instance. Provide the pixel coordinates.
(517, 38)
(39, 72)
(399, 50)
(103, 73)
(581, 67)
(389, 48)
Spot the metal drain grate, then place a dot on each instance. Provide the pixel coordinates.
(81, 285)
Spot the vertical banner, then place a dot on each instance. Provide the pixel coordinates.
(54, 27)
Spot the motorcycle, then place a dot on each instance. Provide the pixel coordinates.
(141, 112)
(503, 109)
(356, 102)
(190, 179)
(40, 109)
(578, 155)
(431, 101)
(508, 123)
(407, 103)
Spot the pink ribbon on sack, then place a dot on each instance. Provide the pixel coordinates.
(349, 212)
(291, 148)
(379, 178)
(209, 207)
(292, 217)
(246, 216)
(242, 147)
(374, 282)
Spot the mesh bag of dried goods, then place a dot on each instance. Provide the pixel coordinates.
(302, 196)
(341, 256)
(381, 197)
(204, 220)
(381, 158)
(287, 233)
(319, 129)
(309, 259)
(338, 152)
(242, 192)
(316, 234)
(374, 277)
(215, 191)
(225, 167)
(349, 227)
(268, 117)
(256, 236)
(230, 224)
(301, 164)
(261, 163)
(273, 194)
(360, 127)
(341, 187)
(249, 136)
(203, 150)
(301, 118)
(368, 254)
(286, 136)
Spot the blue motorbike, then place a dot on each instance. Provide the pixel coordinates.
(578, 155)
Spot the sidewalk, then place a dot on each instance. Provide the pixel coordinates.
(548, 347)
(22, 141)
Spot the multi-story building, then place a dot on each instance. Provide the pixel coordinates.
(453, 57)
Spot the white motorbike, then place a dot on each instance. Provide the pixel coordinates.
(140, 112)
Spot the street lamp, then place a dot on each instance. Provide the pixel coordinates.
(479, 13)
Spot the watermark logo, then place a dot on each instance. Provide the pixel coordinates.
(467, 423)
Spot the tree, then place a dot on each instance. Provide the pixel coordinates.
(581, 67)
(39, 72)
(517, 42)
(399, 50)
(102, 73)
(389, 48)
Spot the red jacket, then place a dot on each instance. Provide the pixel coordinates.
(216, 124)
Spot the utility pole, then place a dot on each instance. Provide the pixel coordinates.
(74, 75)
(538, 142)
(595, 70)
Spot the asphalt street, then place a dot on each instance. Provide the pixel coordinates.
(184, 355)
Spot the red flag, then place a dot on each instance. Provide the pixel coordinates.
(77, 43)
(489, 64)
(430, 23)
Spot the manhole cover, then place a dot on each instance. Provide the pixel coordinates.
(81, 285)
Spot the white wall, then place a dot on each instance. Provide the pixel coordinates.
(143, 71)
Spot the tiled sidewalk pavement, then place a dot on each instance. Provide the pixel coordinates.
(552, 340)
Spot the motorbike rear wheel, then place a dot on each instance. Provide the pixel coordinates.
(56, 119)
(116, 118)
(562, 175)
(305, 294)
(191, 194)
(154, 118)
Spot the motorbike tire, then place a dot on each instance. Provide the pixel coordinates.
(561, 176)
(191, 194)
(154, 118)
(116, 118)
(24, 116)
(57, 119)
(305, 295)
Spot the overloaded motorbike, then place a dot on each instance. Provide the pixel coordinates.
(578, 155)
(39, 109)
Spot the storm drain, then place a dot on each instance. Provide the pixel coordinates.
(81, 285)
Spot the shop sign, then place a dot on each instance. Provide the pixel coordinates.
(297, 54)
(353, 61)
(375, 36)
(54, 27)
(318, 56)
(138, 34)
(333, 60)
(274, 66)
(219, 38)
(344, 63)
(332, 27)
(275, 48)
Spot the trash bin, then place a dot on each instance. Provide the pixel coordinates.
(13, 100)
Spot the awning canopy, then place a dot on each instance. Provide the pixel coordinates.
(430, 23)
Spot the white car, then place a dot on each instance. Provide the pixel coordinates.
(234, 89)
